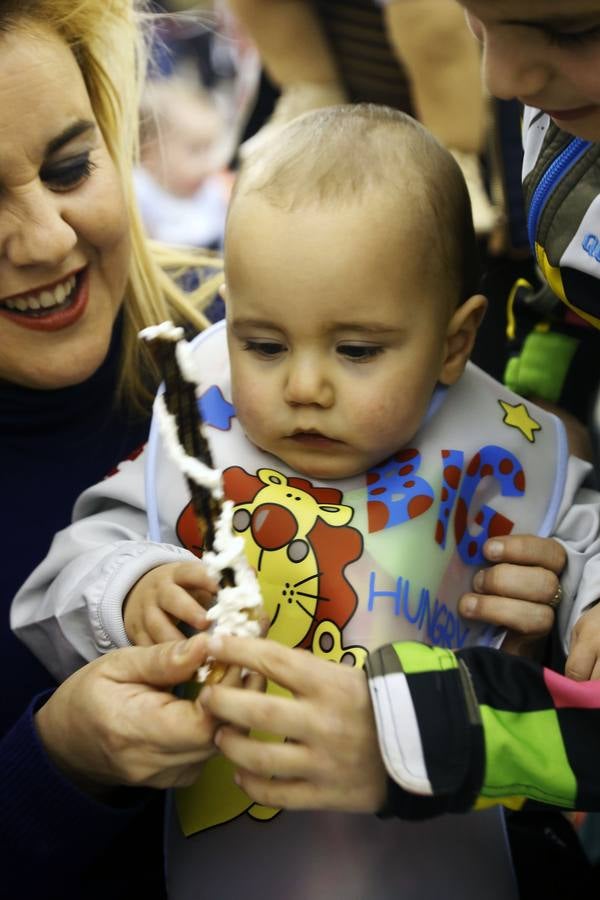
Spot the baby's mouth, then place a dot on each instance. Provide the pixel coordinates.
(46, 301)
(313, 438)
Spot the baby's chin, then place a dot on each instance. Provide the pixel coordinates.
(320, 469)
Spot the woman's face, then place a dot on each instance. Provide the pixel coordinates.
(64, 234)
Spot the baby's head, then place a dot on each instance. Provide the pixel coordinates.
(179, 135)
(352, 276)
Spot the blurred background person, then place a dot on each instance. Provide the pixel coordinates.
(416, 55)
(182, 184)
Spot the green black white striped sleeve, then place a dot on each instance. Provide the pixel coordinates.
(466, 730)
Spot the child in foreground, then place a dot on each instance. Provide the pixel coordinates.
(352, 308)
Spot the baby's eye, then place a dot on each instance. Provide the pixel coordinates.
(359, 352)
(266, 349)
(67, 174)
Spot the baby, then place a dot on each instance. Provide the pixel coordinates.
(352, 308)
(181, 187)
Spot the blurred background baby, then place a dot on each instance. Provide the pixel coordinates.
(182, 183)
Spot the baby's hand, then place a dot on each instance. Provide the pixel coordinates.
(583, 663)
(331, 757)
(176, 592)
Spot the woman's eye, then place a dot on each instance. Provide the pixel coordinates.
(359, 351)
(264, 348)
(65, 176)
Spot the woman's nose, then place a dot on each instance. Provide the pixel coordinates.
(36, 230)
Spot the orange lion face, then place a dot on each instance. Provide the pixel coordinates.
(298, 540)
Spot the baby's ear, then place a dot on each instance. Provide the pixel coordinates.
(460, 337)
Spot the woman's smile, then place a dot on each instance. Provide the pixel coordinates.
(52, 306)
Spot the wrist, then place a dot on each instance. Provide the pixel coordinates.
(51, 732)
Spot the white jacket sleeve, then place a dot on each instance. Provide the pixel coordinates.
(578, 530)
(69, 611)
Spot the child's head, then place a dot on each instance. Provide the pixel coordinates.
(352, 274)
(546, 53)
(180, 131)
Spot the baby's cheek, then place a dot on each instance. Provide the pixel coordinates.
(250, 411)
(389, 421)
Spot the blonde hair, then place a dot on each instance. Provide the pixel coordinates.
(109, 39)
(340, 154)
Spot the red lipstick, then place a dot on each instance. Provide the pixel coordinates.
(56, 318)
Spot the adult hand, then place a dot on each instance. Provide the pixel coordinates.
(116, 722)
(583, 662)
(520, 591)
(330, 758)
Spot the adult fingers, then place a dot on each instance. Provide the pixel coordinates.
(253, 681)
(162, 665)
(581, 662)
(269, 759)
(531, 619)
(279, 793)
(232, 677)
(532, 583)
(248, 709)
(526, 550)
(297, 670)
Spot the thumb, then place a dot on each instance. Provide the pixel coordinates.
(162, 665)
(580, 662)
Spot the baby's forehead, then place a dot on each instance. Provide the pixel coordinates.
(389, 235)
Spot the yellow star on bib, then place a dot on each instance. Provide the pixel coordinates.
(518, 417)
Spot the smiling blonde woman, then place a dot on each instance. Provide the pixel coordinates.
(77, 281)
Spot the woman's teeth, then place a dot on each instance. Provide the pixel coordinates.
(44, 299)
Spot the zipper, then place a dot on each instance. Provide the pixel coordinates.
(565, 161)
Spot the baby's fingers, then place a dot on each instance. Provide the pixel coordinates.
(160, 627)
(194, 577)
(182, 607)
